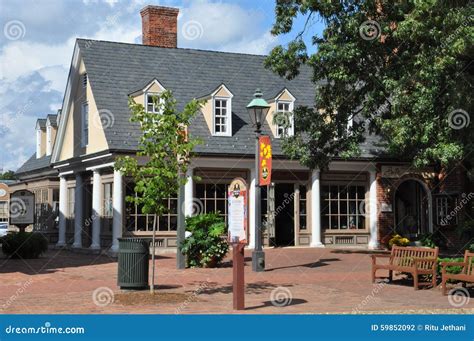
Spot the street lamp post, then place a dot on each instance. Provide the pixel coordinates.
(258, 109)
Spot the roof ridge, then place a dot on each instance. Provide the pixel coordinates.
(169, 48)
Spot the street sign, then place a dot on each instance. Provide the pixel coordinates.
(22, 208)
(265, 160)
(237, 214)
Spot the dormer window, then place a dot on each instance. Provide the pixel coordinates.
(221, 116)
(152, 103)
(284, 119)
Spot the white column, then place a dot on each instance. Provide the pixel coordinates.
(117, 203)
(251, 212)
(316, 209)
(78, 211)
(373, 217)
(62, 211)
(189, 194)
(96, 209)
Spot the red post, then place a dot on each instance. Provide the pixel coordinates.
(238, 287)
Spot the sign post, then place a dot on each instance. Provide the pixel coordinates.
(22, 209)
(237, 220)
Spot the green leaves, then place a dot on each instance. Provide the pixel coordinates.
(163, 152)
(206, 246)
(401, 77)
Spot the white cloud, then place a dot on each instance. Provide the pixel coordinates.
(223, 27)
(34, 70)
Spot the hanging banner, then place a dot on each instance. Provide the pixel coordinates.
(237, 215)
(265, 160)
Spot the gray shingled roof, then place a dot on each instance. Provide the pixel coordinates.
(34, 165)
(117, 69)
(41, 122)
(52, 119)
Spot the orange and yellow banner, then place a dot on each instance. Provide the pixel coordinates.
(265, 160)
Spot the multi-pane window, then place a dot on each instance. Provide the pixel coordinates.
(70, 202)
(107, 207)
(85, 124)
(140, 222)
(221, 116)
(153, 103)
(284, 120)
(446, 210)
(303, 207)
(212, 198)
(3, 211)
(343, 207)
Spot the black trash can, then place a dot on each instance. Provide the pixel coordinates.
(133, 258)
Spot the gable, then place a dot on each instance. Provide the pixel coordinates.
(70, 130)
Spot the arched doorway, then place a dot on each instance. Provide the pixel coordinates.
(412, 203)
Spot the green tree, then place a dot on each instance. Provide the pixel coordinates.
(403, 68)
(8, 175)
(163, 154)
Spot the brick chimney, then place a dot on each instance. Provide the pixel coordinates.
(159, 26)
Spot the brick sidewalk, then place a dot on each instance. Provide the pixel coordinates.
(309, 280)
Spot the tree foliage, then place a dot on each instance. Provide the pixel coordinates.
(163, 152)
(404, 69)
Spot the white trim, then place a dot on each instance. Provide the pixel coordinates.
(316, 232)
(61, 165)
(105, 165)
(373, 212)
(213, 98)
(145, 100)
(291, 106)
(293, 98)
(65, 173)
(228, 115)
(96, 157)
(66, 105)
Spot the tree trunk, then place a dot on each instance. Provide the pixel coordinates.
(152, 285)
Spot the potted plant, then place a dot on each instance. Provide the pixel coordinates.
(205, 245)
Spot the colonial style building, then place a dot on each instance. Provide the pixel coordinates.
(37, 176)
(355, 202)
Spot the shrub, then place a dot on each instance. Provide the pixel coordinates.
(450, 269)
(398, 240)
(206, 246)
(471, 248)
(433, 239)
(24, 245)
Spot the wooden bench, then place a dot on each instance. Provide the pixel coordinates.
(467, 272)
(414, 260)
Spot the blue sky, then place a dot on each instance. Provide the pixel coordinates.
(37, 39)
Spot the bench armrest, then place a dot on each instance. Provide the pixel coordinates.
(374, 257)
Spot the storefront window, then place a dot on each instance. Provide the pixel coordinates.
(138, 222)
(3, 211)
(212, 198)
(343, 207)
(447, 210)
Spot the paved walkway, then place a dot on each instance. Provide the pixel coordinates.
(297, 280)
